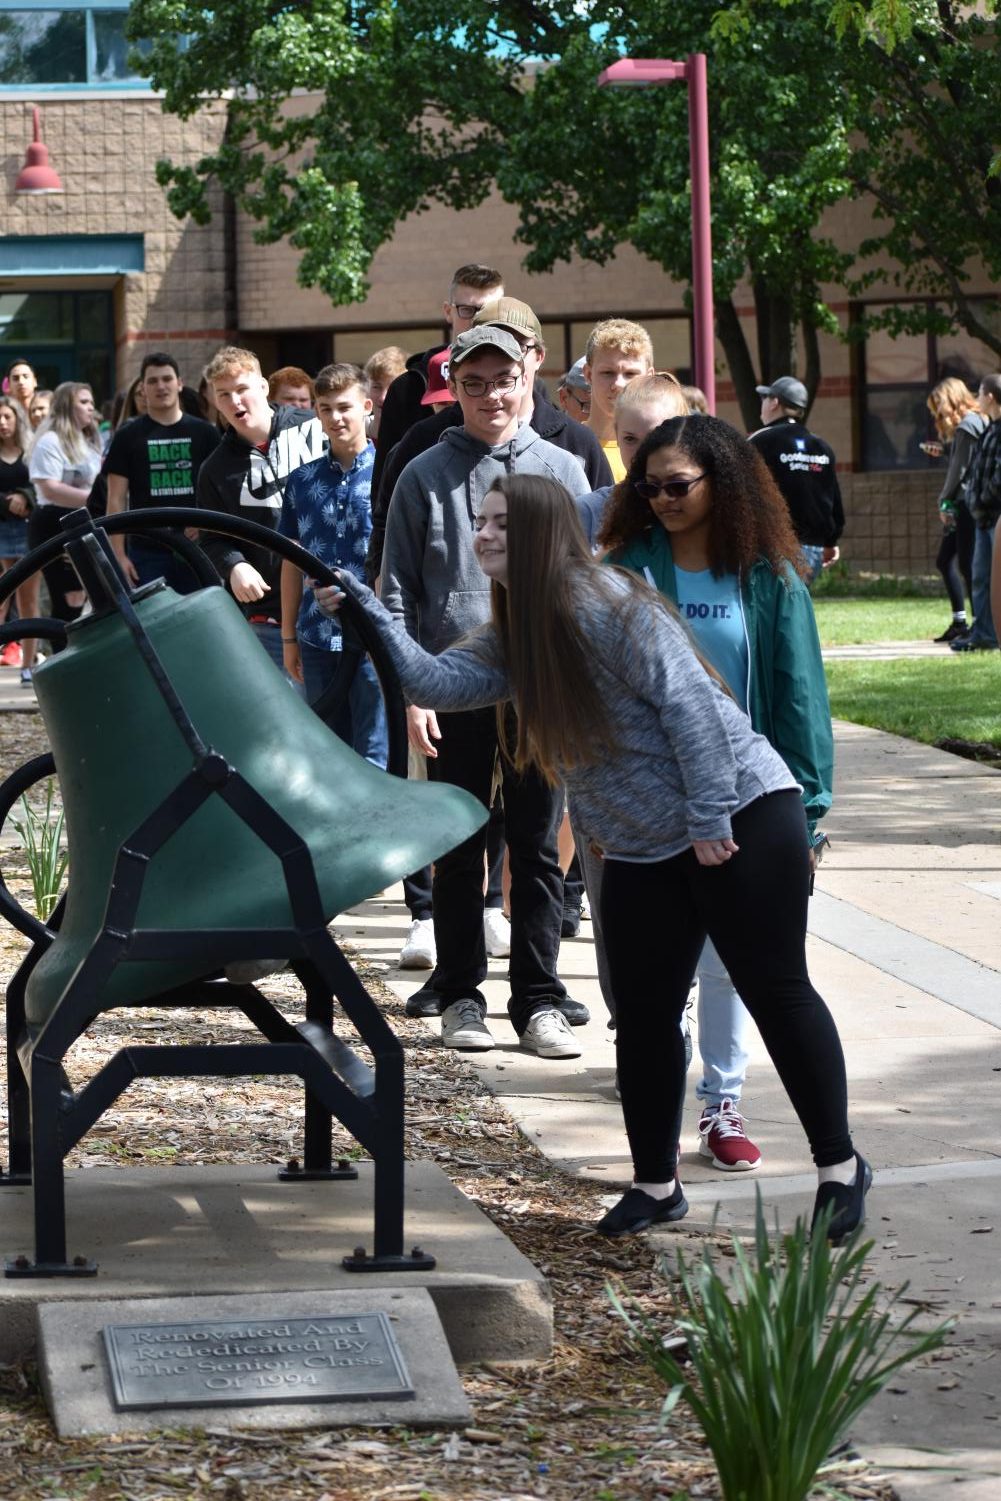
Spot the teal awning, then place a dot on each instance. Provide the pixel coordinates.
(71, 255)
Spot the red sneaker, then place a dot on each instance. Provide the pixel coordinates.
(723, 1139)
(10, 656)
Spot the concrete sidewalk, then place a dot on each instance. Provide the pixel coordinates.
(905, 948)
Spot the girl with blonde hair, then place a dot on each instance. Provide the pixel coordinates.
(65, 461)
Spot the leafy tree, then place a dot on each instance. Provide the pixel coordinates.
(592, 168)
(424, 102)
(407, 99)
(928, 161)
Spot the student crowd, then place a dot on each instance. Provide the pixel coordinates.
(600, 614)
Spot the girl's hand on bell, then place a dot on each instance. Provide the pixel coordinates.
(329, 597)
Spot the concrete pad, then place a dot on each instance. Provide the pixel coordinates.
(938, 1422)
(160, 1232)
(77, 1382)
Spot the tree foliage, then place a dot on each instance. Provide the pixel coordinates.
(927, 160)
(417, 103)
(403, 100)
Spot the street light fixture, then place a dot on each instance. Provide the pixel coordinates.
(37, 175)
(637, 72)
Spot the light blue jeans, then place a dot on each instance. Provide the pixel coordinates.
(982, 631)
(724, 1025)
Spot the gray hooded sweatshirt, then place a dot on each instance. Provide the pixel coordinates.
(430, 577)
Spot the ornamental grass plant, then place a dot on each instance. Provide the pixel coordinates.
(41, 833)
(784, 1348)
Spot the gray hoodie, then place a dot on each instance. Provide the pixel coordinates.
(430, 577)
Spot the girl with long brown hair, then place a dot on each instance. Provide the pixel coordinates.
(960, 424)
(698, 820)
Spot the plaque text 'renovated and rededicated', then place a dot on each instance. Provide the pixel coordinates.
(317, 1359)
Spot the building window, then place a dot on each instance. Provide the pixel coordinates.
(62, 335)
(82, 45)
(896, 376)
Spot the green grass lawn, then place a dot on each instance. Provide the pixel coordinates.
(928, 699)
(848, 622)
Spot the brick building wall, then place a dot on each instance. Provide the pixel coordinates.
(105, 150)
(891, 522)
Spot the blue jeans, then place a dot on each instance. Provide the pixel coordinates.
(270, 637)
(723, 1028)
(152, 562)
(982, 632)
(360, 719)
(814, 557)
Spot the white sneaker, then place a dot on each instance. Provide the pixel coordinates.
(497, 932)
(550, 1035)
(463, 1027)
(419, 951)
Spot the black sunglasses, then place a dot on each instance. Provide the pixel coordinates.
(674, 489)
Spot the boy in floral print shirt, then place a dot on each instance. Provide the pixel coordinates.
(327, 508)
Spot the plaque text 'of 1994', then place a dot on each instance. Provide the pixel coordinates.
(233, 1362)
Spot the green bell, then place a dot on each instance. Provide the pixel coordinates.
(119, 753)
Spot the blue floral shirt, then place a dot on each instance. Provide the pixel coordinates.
(329, 511)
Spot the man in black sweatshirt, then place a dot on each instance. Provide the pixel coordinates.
(804, 468)
(547, 420)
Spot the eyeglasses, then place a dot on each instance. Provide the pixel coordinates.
(674, 489)
(467, 309)
(475, 385)
(584, 402)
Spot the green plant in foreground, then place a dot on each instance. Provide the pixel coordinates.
(41, 834)
(785, 1349)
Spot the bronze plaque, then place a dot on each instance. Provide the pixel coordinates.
(254, 1360)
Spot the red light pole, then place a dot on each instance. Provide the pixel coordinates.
(638, 72)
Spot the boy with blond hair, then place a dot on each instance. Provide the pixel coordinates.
(617, 352)
(646, 402)
(246, 476)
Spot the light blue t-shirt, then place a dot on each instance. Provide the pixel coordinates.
(710, 607)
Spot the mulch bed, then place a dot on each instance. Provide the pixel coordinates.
(583, 1426)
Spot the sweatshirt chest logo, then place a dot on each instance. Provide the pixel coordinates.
(264, 482)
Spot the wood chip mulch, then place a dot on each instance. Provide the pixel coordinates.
(583, 1426)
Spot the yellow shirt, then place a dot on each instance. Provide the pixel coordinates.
(614, 460)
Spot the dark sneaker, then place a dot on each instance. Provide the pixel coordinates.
(570, 926)
(954, 631)
(424, 1002)
(967, 643)
(724, 1141)
(847, 1202)
(575, 1012)
(637, 1211)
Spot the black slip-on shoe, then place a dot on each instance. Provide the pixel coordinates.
(637, 1211)
(847, 1202)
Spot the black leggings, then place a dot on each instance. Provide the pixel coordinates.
(955, 558)
(655, 919)
(44, 523)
